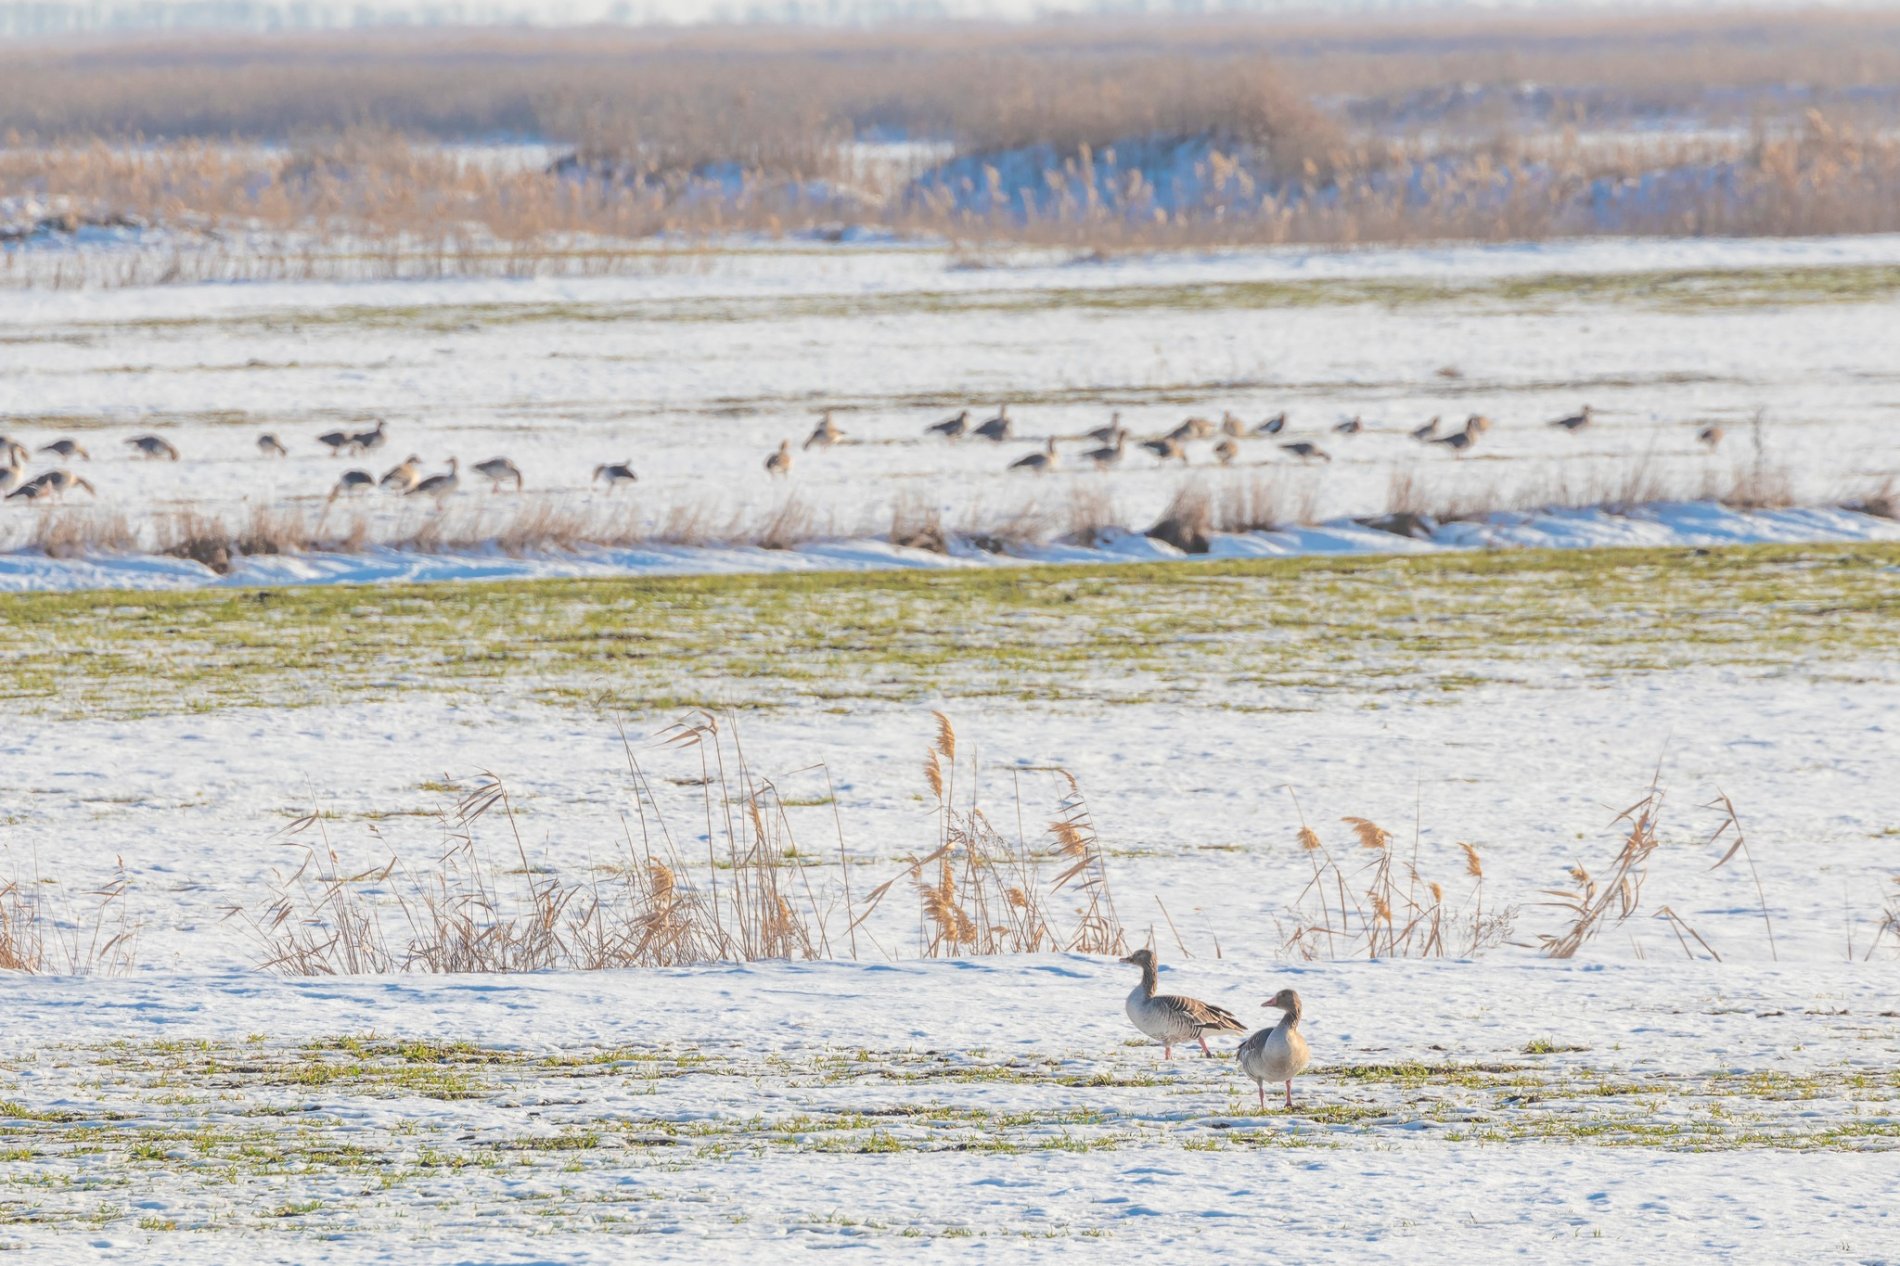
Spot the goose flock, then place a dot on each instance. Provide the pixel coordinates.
(1273, 1055)
(1108, 447)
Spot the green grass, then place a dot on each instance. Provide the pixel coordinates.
(1259, 635)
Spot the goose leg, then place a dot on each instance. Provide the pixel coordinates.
(1289, 1095)
(1261, 1086)
(1202, 1039)
(1167, 1050)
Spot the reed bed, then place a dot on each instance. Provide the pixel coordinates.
(974, 82)
(378, 206)
(654, 899)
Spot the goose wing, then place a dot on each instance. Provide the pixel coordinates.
(1202, 1015)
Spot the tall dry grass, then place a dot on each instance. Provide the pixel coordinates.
(754, 891)
(1386, 907)
(92, 933)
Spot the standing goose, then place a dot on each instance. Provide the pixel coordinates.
(1110, 456)
(353, 481)
(499, 470)
(1306, 450)
(1107, 434)
(1576, 421)
(997, 428)
(1231, 426)
(1351, 426)
(1458, 441)
(1167, 448)
(1278, 1053)
(66, 449)
(1426, 432)
(439, 486)
(1042, 463)
(336, 441)
(1227, 450)
(153, 447)
(12, 452)
(1170, 1019)
(369, 441)
(950, 428)
(616, 473)
(1711, 436)
(1192, 429)
(1273, 425)
(270, 446)
(404, 476)
(825, 434)
(780, 463)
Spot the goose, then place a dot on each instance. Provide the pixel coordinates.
(997, 428)
(1226, 451)
(1273, 425)
(1576, 421)
(10, 477)
(1426, 432)
(1231, 426)
(780, 463)
(1106, 434)
(1192, 429)
(1042, 463)
(404, 476)
(369, 441)
(1278, 1053)
(617, 473)
(1110, 456)
(1167, 448)
(271, 446)
(54, 483)
(826, 433)
(1351, 426)
(1305, 450)
(336, 441)
(353, 481)
(439, 486)
(950, 428)
(1170, 1019)
(498, 470)
(1457, 441)
(12, 452)
(153, 447)
(66, 449)
(1711, 436)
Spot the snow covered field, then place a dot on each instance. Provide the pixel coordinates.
(695, 374)
(1713, 1076)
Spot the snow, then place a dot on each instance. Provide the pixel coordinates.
(564, 375)
(1641, 1102)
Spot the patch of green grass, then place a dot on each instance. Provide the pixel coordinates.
(1550, 1046)
(1257, 635)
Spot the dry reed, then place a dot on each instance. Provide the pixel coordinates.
(1385, 907)
(100, 940)
(755, 894)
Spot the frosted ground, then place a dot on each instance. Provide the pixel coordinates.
(1642, 1101)
(1662, 338)
(1657, 1097)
